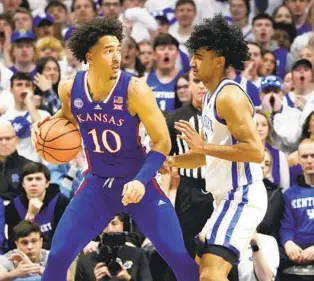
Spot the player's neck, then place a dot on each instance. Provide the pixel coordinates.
(197, 105)
(98, 85)
(212, 84)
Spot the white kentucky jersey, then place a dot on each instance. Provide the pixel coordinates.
(222, 175)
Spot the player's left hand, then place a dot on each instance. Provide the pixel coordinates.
(133, 192)
(193, 139)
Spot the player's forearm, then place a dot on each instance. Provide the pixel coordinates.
(240, 152)
(59, 114)
(163, 146)
(189, 160)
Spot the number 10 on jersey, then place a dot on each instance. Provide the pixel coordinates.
(104, 140)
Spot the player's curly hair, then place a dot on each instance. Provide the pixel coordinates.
(87, 35)
(218, 35)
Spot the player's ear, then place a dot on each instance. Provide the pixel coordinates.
(220, 62)
(89, 58)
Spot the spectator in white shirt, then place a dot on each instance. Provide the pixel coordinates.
(185, 13)
(24, 113)
(289, 121)
(240, 11)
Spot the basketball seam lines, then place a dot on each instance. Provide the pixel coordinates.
(44, 140)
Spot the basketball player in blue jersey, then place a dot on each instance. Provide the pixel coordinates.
(108, 105)
(231, 149)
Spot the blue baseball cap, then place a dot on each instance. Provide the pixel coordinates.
(68, 33)
(22, 34)
(273, 81)
(42, 18)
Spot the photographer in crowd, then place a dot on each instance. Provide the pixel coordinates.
(115, 257)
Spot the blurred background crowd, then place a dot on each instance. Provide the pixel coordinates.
(278, 78)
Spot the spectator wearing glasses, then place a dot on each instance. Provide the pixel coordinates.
(183, 95)
(11, 164)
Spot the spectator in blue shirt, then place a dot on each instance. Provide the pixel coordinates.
(297, 226)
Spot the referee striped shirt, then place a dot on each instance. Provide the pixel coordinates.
(194, 117)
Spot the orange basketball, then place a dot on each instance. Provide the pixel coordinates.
(59, 141)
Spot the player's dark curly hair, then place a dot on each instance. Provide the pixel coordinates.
(87, 35)
(218, 35)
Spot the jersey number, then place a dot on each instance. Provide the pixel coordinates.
(162, 105)
(104, 138)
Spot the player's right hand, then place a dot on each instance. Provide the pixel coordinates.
(133, 192)
(35, 129)
(100, 271)
(165, 168)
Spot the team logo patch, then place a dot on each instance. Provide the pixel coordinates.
(78, 103)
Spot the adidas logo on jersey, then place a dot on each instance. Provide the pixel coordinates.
(97, 107)
(161, 202)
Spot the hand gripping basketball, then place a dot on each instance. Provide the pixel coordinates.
(58, 140)
(35, 129)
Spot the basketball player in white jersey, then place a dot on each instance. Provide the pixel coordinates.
(231, 149)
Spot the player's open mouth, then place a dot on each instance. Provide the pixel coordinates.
(166, 59)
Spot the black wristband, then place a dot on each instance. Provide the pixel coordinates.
(255, 248)
(69, 177)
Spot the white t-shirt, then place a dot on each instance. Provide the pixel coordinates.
(173, 30)
(269, 247)
(21, 121)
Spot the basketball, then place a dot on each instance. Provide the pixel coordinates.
(59, 141)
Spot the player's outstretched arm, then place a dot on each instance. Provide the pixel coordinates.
(234, 107)
(143, 103)
(188, 160)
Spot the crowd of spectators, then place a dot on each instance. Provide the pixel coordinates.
(278, 78)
